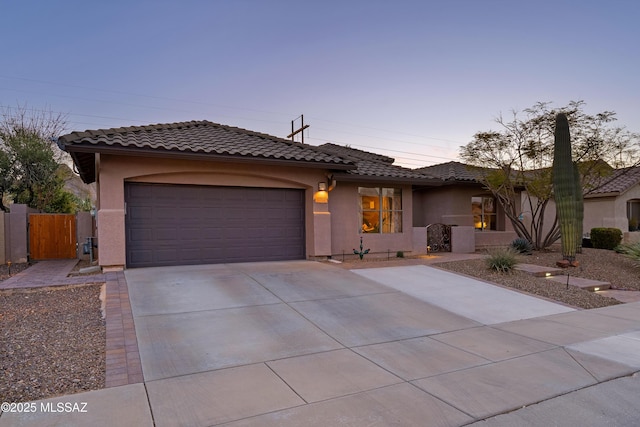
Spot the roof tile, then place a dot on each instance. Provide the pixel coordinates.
(201, 137)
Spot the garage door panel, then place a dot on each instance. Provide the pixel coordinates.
(177, 224)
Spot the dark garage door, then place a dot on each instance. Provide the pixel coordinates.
(188, 224)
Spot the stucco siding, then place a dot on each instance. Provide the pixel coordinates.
(346, 223)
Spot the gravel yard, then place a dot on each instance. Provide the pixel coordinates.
(52, 342)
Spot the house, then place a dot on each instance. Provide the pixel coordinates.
(616, 204)
(462, 200)
(200, 192)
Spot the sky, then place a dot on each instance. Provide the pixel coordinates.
(414, 80)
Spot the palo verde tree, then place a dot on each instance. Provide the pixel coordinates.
(518, 158)
(30, 161)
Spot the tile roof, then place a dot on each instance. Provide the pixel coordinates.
(450, 171)
(354, 153)
(373, 165)
(195, 137)
(620, 181)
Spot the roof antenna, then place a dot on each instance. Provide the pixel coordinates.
(300, 129)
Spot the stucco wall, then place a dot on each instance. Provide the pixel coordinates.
(346, 223)
(16, 233)
(84, 229)
(450, 205)
(609, 211)
(447, 205)
(601, 213)
(114, 171)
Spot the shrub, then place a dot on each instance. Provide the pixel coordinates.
(631, 251)
(605, 238)
(522, 246)
(400, 254)
(502, 260)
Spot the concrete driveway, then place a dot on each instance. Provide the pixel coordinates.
(306, 343)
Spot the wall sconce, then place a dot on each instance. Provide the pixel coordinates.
(321, 196)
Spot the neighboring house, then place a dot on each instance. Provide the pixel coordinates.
(616, 204)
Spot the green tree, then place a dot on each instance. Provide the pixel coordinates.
(519, 157)
(29, 160)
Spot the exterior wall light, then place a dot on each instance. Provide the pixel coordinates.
(321, 196)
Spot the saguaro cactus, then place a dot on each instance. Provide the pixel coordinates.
(567, 191)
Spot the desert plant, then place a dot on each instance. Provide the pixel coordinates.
(502, 259)
(605, 238)
(362, 252)
(400, 254)
(567, 191)
(631, 251)
(522, 246)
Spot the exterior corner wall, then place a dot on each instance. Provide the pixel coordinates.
(463, 239)
(111, 237)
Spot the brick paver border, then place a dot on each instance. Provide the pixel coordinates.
(123, 364)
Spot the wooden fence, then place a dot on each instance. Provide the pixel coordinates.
(52, 236)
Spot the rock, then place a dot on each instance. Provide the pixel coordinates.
(563, 263)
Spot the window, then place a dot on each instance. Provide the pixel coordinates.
(380, 209)
(484, 213)
(633, 214)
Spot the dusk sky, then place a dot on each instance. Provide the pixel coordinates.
(410, 79)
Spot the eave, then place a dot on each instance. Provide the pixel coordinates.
(84, 158)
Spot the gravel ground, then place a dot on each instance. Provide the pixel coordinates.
(596, 264)
(15, 269)
(52, 341)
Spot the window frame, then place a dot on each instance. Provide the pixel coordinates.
(488, 217)
(379, 210)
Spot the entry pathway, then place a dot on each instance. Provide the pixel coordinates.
(305, 343)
